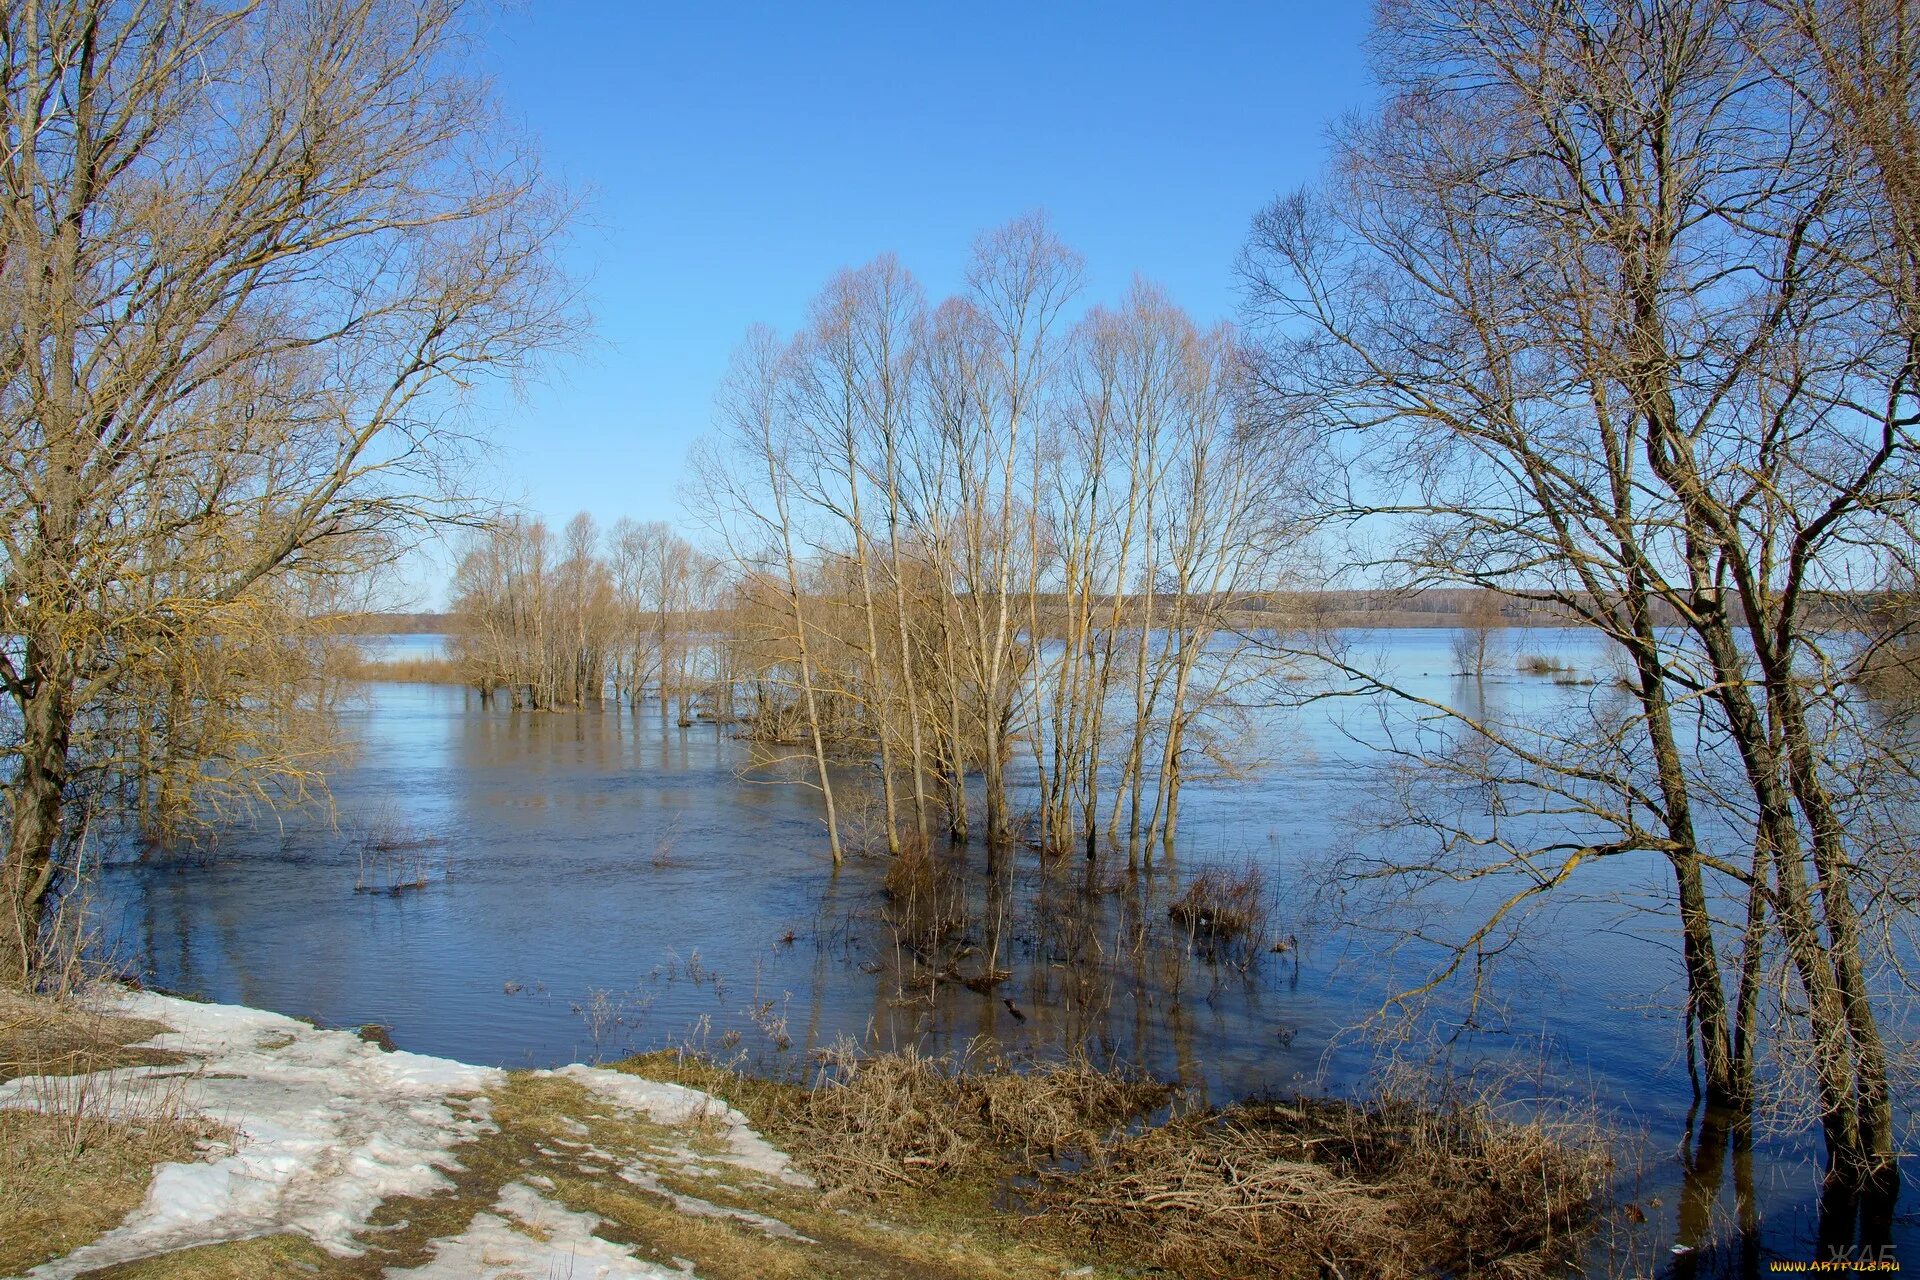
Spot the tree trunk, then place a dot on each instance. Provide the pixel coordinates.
(37, 795)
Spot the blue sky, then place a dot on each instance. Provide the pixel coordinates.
(733, 156)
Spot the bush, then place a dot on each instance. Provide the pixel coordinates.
(887, 1123)
(1226, 910)
(926, 896)
(1413, 1184)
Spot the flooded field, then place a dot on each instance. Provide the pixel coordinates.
(526, 889)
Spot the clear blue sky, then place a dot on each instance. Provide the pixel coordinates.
(733, 156)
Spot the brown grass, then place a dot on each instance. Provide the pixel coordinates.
(64, 1184)
(551, 1130)
(988, 1168)
(406, 670)
(80, 1162)
(1226, 911)
(901, 1123)
(926, 895)
(276, 1256)
(1325, 1188)
(878, 1123)
(1539, 664)
(1394, 1189)
(41, 1036)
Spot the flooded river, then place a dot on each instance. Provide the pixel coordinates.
(602, 882)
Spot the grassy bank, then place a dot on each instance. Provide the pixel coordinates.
(81, 1160)
(902, 1166)
(1108, 1170)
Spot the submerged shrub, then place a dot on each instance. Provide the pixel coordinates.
(926, 895)
(1227, 911)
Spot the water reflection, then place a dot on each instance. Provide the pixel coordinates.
(668, 878)
(1707, 1245)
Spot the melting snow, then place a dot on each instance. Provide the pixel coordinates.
(694, 1207)
(329, 1125)
(548, 1241)
(326, 1126)
(675, 1105)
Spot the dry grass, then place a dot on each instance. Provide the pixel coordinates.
(42, 1036)
(66, 1180)
(1324, 1188)
(407, 670)
(556, 1135)
(905, 1123)
(1227, 913)
(987, 1167)
(79, 1161)
(882, 1123)
(276, 1256)
(926, 895)
(1539, 664)
(1395, 1189)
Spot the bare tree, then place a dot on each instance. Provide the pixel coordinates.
(987, 525)
(1473, 638)
(1603, 326)
(744, 483)
(252, 253)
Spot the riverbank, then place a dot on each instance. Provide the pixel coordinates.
(148, 1137)
(283, 1149)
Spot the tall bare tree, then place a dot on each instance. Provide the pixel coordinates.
(987, 523)
(1592, 295)
(745, 487)
(251, 254)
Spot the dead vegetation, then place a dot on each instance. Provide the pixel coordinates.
(987, 1167)
(926, 897)
(1888, 666)
(1539, 664)
(79, 1136)
(40, 1035)
(57, 1193)
(667, 1193)
(879, 1123)
(1226, 913)
(395, 856)
(1395, 1188)
(1327, 1188)
(406, 670)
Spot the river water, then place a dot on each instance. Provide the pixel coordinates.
(603, 882)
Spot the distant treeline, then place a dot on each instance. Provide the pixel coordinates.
(1431, 607)
(394, 624)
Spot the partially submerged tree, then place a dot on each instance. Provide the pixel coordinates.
(745, 483)
(251, 255)
(974, 531)
(1601, 315)
(559, 622)
(1479, 619)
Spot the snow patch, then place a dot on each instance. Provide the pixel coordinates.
(694, 1207)
(674, 1105)
(326, 1126)
(548, 1241)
